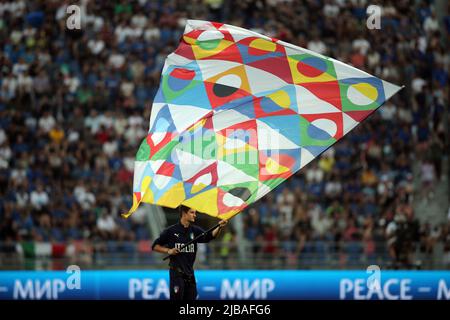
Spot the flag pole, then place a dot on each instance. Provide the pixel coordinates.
(195, 239)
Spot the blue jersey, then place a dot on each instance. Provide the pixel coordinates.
(176, 236)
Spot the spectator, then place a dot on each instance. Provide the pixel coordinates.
(106, 226)
(39, 197)
(428, 178)
(321, 227)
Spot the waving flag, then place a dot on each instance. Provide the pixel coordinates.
(237, 113)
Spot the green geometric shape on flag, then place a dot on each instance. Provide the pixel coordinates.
(306, 140)
(170, 94)
(348, 105)
(144, 151)
(250, 185)
(208, 44)
(202, 145)
(246, 162)
(272, 183)
(164, 153)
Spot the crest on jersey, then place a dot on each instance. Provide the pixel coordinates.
(191, 235)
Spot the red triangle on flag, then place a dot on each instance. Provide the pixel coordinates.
(230, 53)
(216, 100)
(249, 128)
(359, 115)
(328, 91)
(276, 66)
(185, 50)
(166, 169)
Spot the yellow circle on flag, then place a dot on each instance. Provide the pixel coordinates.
(264, 45)
(362, 93)
(281, 98)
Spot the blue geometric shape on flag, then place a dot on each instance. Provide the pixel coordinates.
(177, 84)
(316, 63)
(249, 58)
(196, 97)
(159, 97)
(377, 83)
(316, 150)
(269, 106)
(317, 133)
(241, 104)
(188, 188)
(176, 174)
(287, 125)
(245, 106)
(294, 154)
(163, 121)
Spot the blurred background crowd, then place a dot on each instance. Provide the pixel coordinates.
(74, 106)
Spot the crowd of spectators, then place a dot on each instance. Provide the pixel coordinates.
(74, 106)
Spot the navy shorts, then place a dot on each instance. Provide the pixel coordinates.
(182, 287)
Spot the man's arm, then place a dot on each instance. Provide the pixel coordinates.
(216, 231)
(161, 241)
(165, 250)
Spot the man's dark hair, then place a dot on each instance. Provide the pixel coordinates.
(182, 209)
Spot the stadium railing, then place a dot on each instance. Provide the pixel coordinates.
(314, 254)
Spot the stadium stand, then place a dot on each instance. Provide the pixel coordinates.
(74, 107)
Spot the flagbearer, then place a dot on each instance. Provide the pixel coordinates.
(182, 279)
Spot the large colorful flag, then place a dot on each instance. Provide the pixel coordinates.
(237, 113)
